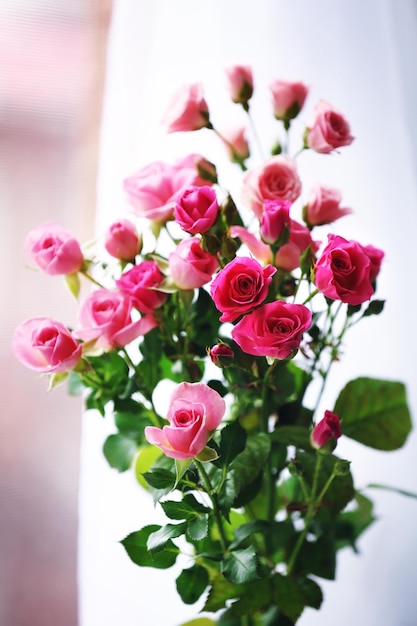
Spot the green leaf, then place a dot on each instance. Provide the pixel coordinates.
(357, 521)
(401, 492)
(247, 530)
(288, 596)
(220, 591)
(145, 459)
(292, 436)
(135, 545)
(158, 539)
(311, 592)
(232, 442)
(240, 566)
(73, 283)
(181, 466)
(200, 621)
(375, 413)
(207, 454)
(375, 308)
(254, 597)
(160, 478)
(119, 451)
(197, 528)
(131, 417)
(191, 583)
(319, 557)
(186, 509)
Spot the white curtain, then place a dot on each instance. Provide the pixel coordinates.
(361, 57)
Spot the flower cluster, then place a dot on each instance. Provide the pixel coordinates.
(238, 303)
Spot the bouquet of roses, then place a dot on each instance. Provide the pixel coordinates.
(245, 315)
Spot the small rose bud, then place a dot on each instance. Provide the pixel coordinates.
(240, 80)
(288, 99)
(221, 355)
(341, 467)
(188, 110)
(326, 432)
(275, 221)
(122, 241)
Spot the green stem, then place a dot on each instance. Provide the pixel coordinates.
(213, 497)
(92, 280)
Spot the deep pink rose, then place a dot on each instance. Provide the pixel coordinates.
(188, 110)
(191, 267)
(196, 209)
(329, 129)
(141, 284)
(288, 256)
(236, 143)
(122, 241)
(221, 355)
(275, 219)
(274, 330)
(240, 83)
(194, 413)
(276, 179)
(323, 206)
(343, 271)
(105, 319)
(153, 190)
(54, 249)
(46, 346)
(375, 256)
(326, 432)
(240, 286)
(288, 98)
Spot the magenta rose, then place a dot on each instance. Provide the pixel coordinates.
(323, 206)
(105, 319)
(141, 284)
(375, 256)
(288, 98)
(240, 286)
(275, 220)
(343, 271)
(326, 432)
(191, 267)
(194, 413)
(47, 346)
(288, 256)
(153, 190)
(188, 110)
(276, 179)
(196, 209)
(329, 129)
(273, 330)
(122, 241)
(54, 249)
(240, 83)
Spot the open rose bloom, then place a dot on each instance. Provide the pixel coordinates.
(54, 249)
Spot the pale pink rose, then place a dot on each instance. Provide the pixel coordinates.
(276, 179)
(240, 286)
(343, 271)
(329, 129)
(275, 220)
(122, 241)
(191, 267)
(44, 345)
(188, 110)
(194, 413)
(288, 256)
(153, 190)
(141, 284)
(54, 249)
(240, 83)
(236, 143)
(105, 319)
(260, 250)
(288, 98)
(323, 206)
(273, 330)
(326, 432)
(375, 256)
(196, 209)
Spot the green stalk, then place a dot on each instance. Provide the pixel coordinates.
(213, 497)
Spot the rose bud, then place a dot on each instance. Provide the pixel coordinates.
(188, 110)
(275, 220)
(329, 130)
(240, 81)
(323, 206)
(54, 249)
(236, 143)
(221, 355)
(196, 209)
(288, 99)
(122, 241)
(325, 434)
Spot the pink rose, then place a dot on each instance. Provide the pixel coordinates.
(54, 249)
(141, 284)
(240, 82)
(276, 179)
(326, 432)
(288, 256)
(105, 319)
(122, 241)
(191, 267)
(153, 190)
(240, 286)
(194, 413)
(196, 209)
(46, 346)
(258, 248)
(375, 256)
(343, 271)
(323, 206)
(288, 98)
(274, 330)
(221, 355)
(329, 130)
(275, 220)
(188, 110)
(236, 143)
